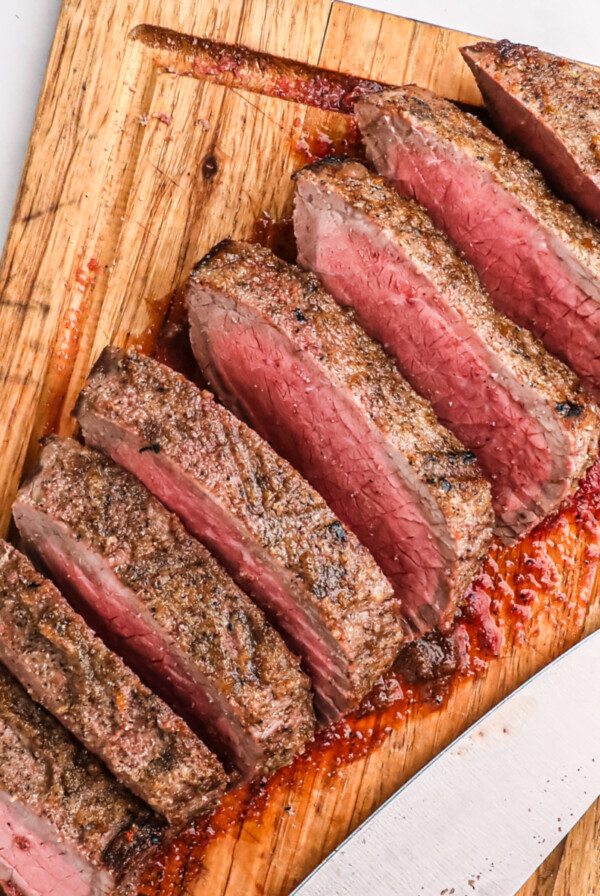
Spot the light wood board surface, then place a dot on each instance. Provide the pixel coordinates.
(131, 175)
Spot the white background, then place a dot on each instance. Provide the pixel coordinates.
(569, 27)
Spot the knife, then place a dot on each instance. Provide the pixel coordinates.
(482, 816)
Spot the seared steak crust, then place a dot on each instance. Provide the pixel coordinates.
(67, 669)
(201, 615)
(248, 278)
(548, 108)
(492, 203)
(57, 781)
(281, 521)
(469, 136)
(381, 254)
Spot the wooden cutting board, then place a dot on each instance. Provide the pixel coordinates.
(133, 171)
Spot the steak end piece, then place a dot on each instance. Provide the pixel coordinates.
(489, 381)
(278, 351)
(66, 826)
(67, 669)
(270, 529)
(160, 600)
(535, 255)
(549, 109)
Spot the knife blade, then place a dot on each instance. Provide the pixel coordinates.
(482, 816)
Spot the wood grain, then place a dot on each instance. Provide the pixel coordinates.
(398, 51)
(579, 870)
(132, 173)
(78, 193)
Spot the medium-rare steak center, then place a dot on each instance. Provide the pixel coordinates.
(278, 350)
(56, 656)
(537, 258)
(67, 828)
(548, 108)
(158, 598)
(489, 381)
(273, 532)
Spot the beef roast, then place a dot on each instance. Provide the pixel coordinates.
(276, 348)
(272, 531)
(66, 825)
(57, 657)
(549, 109)
(523, 413)
(536, 256)
(160, 599)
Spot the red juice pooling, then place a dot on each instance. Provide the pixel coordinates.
(518, 591)
(329, 141)
(528, 575)
(276, 235)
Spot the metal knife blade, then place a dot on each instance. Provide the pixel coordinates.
(482, 816)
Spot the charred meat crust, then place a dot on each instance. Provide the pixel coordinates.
(548, 108)
(43, 768)
(323, 164)
(344, 197)
(298, 307)
(280, 515)
(491, 203)
(502, 164)
(351, 354)
(221, 248)
(372, 195)
(179, 584)
(88, 688)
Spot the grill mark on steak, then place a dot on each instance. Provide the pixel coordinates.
(159, 599)
(274, 533)
(535, 255)
(549, 109)
(66, 826)
(334, 405)
(489, 381)
(56, 656)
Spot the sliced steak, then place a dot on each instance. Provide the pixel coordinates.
(272, 531)
(537, 258)
(158, 598)
(67, 669)
(66, 825)
(523, 413)
(278, 350)
(549, 109)
(9, 890)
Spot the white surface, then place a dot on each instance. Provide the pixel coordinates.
(27, 27)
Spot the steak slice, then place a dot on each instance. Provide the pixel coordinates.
(279, 351)
(272, 531)
(66, 825)
(160, 600)
(537, 258)
(67, 669)
(549, 109)
(523, 413)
